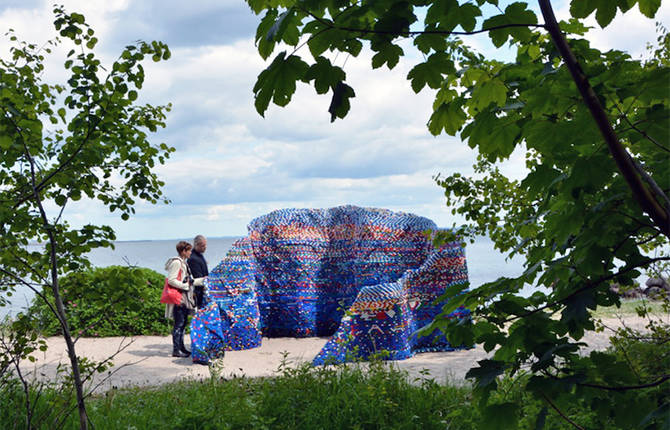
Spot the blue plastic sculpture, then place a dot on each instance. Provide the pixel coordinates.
(366, 277)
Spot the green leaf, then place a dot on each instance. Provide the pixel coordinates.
(589, 173)
(439, 10)
(274, 30)
(5, 142)
(576, 311)
(265, 45)
(429, 41)
(515, 13)
(339, 104)
(352, 46)
(495, 137)
(452, 292)
(540, 180)
(606, 12)
(325, 75)
(278, 81)
(388, 54)
(500, 416)
(396, 18)
(322, 37)
(77, 17)
(487, 372)
(498, 36)
(649, 8)
(430, 73)
(449, 117)
(257, 6)
(467, 16)
(460, 334)
(491, 91)
(285, 28)
(583, 8)
(534, 52)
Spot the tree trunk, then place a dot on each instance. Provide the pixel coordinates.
(76, 375)
(60, 310)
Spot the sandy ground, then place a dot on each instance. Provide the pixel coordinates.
(146, 360)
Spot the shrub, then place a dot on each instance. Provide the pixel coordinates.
(372, 396)
(107, 301)
(641, 400)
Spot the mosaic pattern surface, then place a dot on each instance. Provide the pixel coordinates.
(299, 270)
(207, 338)
(384, 318)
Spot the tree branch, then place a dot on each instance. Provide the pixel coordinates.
(332, 25)
(74, 154)
(642, 132)
(622, 388)
(588, 286)
(74, 360)
(642, 242)
(621, 156)
(15, 359)
(36, 291)
(559, 412)
(652, 184)
(310, 38)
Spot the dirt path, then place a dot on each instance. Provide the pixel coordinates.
(146, 360)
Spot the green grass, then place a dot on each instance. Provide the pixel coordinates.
(320, 399)
(343, 397)
(375, 396)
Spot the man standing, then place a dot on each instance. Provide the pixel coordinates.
(198, 266)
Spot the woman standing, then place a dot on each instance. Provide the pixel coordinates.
(179, 276)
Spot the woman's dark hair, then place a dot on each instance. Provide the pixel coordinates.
(183, 246)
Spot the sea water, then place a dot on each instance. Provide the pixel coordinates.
(484, 263)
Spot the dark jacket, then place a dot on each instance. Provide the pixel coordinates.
(198, 265)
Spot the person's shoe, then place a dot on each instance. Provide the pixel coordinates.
(182, 348)
(177, 343)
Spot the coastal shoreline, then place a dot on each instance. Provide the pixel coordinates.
(146, 360)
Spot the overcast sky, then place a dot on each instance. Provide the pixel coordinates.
(231, 164)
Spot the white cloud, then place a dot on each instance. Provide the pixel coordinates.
(231, 164)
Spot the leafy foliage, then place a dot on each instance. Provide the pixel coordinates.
(303, 397)
(592, 203)
(60, 143)
(85, 139)
(108, 301)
